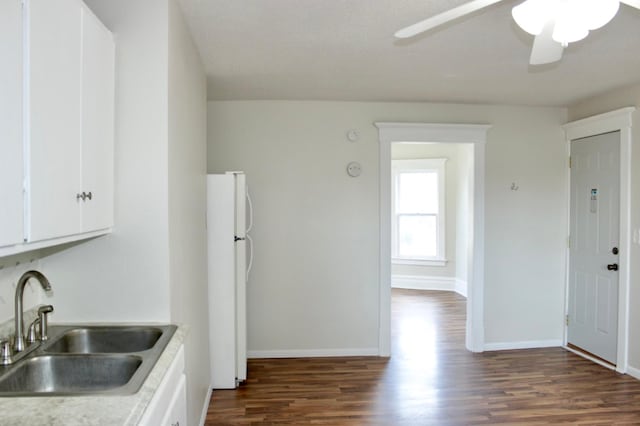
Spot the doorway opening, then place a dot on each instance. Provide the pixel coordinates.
(431, 195)
(475, 136)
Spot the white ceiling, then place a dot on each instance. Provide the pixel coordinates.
(345, 50)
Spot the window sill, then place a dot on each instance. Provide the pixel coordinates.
(420, 262)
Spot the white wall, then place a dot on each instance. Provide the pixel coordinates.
(628, 96)
(187, 206)
(525, 239)
(315, 279)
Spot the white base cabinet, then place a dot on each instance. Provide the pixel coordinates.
(168, 407)
(176, 414)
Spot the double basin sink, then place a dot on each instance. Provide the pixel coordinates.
(87, 360)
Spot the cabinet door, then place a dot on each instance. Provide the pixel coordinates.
(53, 139)
(176, 414)
(11, 148)
(98, 70)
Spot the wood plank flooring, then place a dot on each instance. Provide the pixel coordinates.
(430, 380)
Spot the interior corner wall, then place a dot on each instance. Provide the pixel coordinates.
(187, 207)
(315, 280)
(624, 97)
(400, 151)
(125, 276)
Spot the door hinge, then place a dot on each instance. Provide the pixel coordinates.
(569, 162)
(566, 320)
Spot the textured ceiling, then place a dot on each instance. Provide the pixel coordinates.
(345, 50)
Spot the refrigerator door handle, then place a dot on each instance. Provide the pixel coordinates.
(250, 255)
(236, 238)
(250, 204)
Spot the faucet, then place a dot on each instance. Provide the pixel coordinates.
(22, 282)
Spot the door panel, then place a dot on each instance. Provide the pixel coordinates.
(595, 215)
(98, 67)
(11, 159)
(54, 75)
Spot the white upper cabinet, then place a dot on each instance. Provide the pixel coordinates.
(98, 68)
(54, 72)
(11, 159)
(69, 132)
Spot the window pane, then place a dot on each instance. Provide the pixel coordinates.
(417, 236)
(418, 192)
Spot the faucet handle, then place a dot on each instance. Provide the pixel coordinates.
(43, 311)
(6, 357)
(31, 335)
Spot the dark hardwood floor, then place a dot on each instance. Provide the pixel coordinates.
(431, 380)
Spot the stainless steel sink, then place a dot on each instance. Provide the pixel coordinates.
(70, 374)
(86, 360)
(88, 340)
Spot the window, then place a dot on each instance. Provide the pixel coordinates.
(418, 212)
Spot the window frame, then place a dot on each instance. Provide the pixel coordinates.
(436, 165)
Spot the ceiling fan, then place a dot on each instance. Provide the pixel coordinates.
(554, 23)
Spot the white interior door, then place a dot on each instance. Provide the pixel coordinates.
(595, 237)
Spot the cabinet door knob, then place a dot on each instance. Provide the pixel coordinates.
(84, 196)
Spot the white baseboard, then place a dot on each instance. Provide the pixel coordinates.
(530, 344)
(633, 372)
(419, 282)
(203, 416)
(313, 353)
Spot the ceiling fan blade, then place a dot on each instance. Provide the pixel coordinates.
(632, 3)
(444, 17)
(545, 49)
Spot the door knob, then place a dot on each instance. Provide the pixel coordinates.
(612, 267)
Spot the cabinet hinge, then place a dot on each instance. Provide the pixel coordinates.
(566, 320)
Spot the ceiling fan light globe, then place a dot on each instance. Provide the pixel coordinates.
(532, 15)
(596, 13)
(568, 30)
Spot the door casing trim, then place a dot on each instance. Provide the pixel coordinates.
(476, 134)
(617, 120)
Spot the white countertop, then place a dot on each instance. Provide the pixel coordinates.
(99, 410)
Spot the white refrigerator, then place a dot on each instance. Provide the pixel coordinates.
(229, 219)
